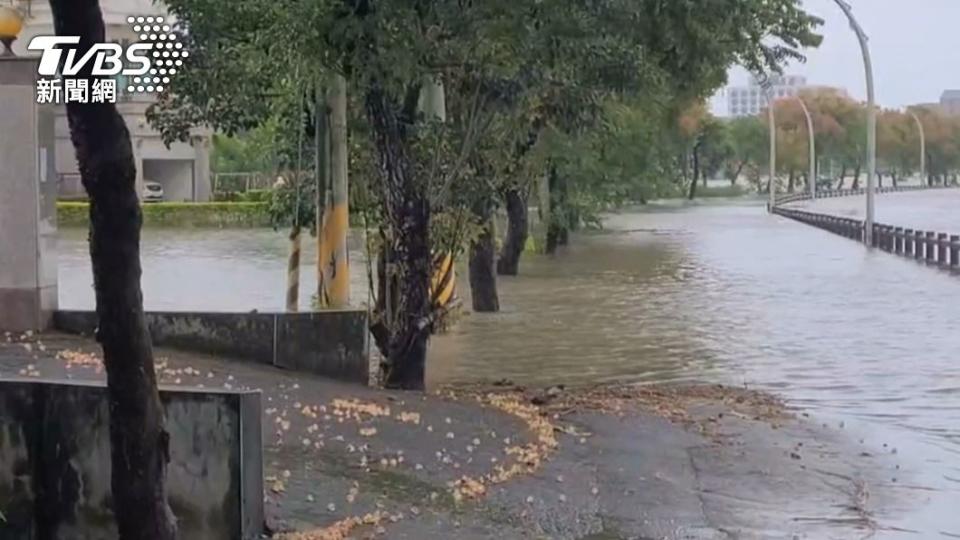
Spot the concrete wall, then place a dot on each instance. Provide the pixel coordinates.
(329, 343)
(28, 265)
(55, 462)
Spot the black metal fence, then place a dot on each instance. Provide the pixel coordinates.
(935, 248)
(831, 193)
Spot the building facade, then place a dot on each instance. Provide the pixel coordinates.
(183, 169)
(950, 102)
(751, 99)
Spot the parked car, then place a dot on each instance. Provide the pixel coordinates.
(152, 192)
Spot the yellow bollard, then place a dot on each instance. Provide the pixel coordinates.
(443, 285)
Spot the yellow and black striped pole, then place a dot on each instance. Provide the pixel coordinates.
(333, 257)
(293, 270)
(443, 285)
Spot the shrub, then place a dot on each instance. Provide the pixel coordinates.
(179, 214)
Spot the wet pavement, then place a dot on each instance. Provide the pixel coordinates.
(703, 462)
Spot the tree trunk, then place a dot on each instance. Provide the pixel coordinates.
(555, 230)
(791, 178)
(696, 172)
(518, 229)
(139, 445)
(736, 174)
(879, 179)
(483, 279)
(568, 216)
(685, 166)
(843, 176)
(856, 177)
(407, 209)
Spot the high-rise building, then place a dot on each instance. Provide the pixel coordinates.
(751, 99)
(950, 102)
(183, 169)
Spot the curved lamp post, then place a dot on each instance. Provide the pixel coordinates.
(766, 85)
(923, 147)
(812, 175)
(871, 121)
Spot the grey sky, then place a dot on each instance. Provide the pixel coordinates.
(915, 45)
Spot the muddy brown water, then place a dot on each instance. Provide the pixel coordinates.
(720, 292)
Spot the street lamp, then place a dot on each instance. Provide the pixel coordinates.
(923, 147)
(813, 150)
(767, 85)
(11, 23)
(871, 121)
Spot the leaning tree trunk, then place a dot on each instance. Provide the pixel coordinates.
(518, 228)
(139, 445)
(408, 217)
(856, 177)
(483, 279)
(843, 176)
(737, 173)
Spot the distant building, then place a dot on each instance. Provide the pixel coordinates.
(750, 100)
(183, 169)
(842, 92)
(950, 102)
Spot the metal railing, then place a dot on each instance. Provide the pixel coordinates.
(831, 193)
(933, 248)
(240, 182)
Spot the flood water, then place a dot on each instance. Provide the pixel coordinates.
(719, 293)
(933, 210)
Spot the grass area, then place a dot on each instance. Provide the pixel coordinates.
(179, 214)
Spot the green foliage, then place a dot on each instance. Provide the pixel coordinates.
(293, 204)
(178, 214)
(513, 68)
(255, 151)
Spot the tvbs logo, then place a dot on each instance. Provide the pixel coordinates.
(108, 58)
(142, 66)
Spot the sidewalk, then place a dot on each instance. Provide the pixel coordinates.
(504, 462)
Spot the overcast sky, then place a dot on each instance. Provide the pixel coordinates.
(915, 45)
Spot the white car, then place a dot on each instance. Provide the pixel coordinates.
(152, 192)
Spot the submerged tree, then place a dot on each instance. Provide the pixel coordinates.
(566, 58)
(139, 445)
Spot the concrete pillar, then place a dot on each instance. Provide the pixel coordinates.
(138, 162)
(201, 168)
(28, 194)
